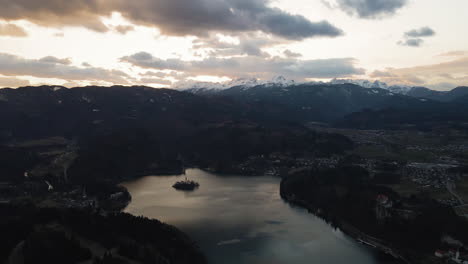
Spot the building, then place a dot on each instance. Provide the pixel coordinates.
(440, 254)
(383, 204)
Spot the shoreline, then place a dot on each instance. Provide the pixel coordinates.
(349, 230)
(344, 227)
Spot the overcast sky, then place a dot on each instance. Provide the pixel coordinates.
(162, 42)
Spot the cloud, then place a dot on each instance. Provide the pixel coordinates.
(250, 66)
(155, 81)
(413, 38)
(290, 54)
(369, 9)
(242, 44)
(12, 30)
(172, 17)
(146, 60)
(294, 27)
(72, 84)
(124, 29)
(412, 42)
(421, 32)
(59, 35)
(56, 12)
(380, 74)
(434, 75)
(198, 17)
(51, 67)
(154, 74)
(12, 82)
(54, 60)
(456, 53)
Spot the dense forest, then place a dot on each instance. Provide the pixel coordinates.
(72, 236)
(347, 195)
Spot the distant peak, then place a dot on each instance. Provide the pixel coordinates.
(240, 82)
(281, 81)
(400, 89)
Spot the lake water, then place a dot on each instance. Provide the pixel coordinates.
(243, 220)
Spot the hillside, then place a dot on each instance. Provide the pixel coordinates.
(95, 133)
(453, 114)
(442, 96)
(51, 235)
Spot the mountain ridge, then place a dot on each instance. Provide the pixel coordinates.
(315, 102)
(280, 81)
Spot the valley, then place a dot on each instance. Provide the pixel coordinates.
(69, 149)
(233, 132)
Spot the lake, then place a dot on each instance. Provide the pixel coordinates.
(238, 219)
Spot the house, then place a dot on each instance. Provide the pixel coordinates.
(383, 200)
(440, 253)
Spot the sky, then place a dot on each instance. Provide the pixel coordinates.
(167, 43)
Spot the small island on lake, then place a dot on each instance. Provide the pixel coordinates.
(186, 185)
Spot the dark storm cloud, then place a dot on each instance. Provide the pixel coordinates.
(197, 17)
(289, 26)
(51, 67)
(56, 12)
(172, 17)
(421, 32)
(371, 8)
(251, 66)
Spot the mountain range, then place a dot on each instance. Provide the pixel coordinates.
(276, 100)
(328, 102)
(280, 81)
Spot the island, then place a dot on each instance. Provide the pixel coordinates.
(186, 185)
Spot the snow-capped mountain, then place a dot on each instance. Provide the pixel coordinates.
(280, 81)
(399, 89)
(362, 83)
(217, 85)
(241, 82)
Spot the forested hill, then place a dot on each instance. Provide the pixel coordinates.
(95, 132)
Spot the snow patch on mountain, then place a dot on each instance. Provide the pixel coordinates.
(398, 89)
(244, 83)
(362, 83)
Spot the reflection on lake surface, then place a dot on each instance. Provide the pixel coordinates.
(241, 220)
